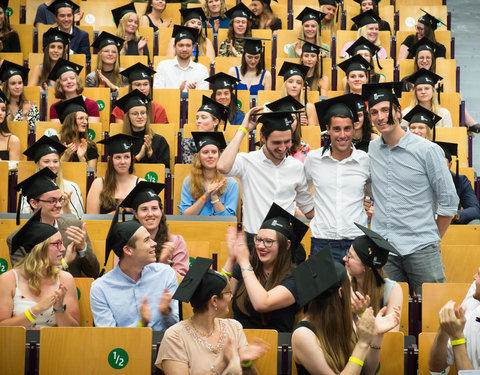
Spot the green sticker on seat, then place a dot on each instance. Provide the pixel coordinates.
(239, 103)
(151, 177)
(101, 105)
(118, 358)
(9, 11)
(3, 265)
(91, 134)
(191, 260)
(79, 294)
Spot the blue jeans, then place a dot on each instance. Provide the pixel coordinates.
(422, 266)
(339, 247)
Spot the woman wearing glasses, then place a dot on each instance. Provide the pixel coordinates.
(264, 290)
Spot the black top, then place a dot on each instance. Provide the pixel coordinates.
(281, 320)
(11, 42)
(300, 369)
(151, 24)
(440, 50)
(382, 26)
(4, 155)
(107, 210)
(132, 49)
(92, 153)
(276, 25)
(160, 148)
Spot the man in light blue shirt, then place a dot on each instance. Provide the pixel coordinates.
(138, 291)
(410, 183)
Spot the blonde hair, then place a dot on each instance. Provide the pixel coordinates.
(301, 98)
(429, 134)
(122, 24)
(371, 288)
(36, 265)
(434, 101)
(362, 31)
(318, 37)
(116, 79)
(330, 25)
(223, 9)
(59, 93)
(197, 187)
(201, 40)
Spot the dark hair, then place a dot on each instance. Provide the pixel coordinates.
(296, 136)
(232, 107)
(328, 144)
(367, 128)
(4, 130)
(429, 33)
(260, 65)
(47, 64)
(149, 7)
(265, 131)
(231, 33)
(5, 30)
(150, 96)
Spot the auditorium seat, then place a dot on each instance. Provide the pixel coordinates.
(21, 130)
(83, 285)
(4, 187)
(267, 364)
(391, 354)
(386, 13)
(25, 34)
(442, 36)
(409, 14)
(461, 262)
(12, 355)
(15, 57)
(425, 342)
(404, 318)
(181, 172)
(5, 263)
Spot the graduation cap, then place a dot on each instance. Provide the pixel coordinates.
(32, 233)
(363, 43)
(280, 121)
(366, 18)
(132, 99)
(240, 10)
(3, 98)
(184, 32)
(283, 222)
(10, 69)
(356, 62)
(44, 146)
(290, 69)
(423, 44)
(4, 5)
(318, 276)
(57, 4)
(118, 144)
(200, 283)
(119, 12)
(32, 187)
(419, 114)
(222, 81)
(216, 109)
(285, 104)
(253, 46)
(143, 192)
(450, 149)
(341, 105)
(333, 3)
(193, 13)
(62, 66)
(137, 72)
(267, 1)
(107, 39)
(308, 14)
(373, 250)
(373, 1)
(359, 103)
(430, 21)
(54, 35)
(374, 93)
(424, 76)
(203, 139)
(64, 108)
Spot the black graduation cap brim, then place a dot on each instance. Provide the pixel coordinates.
(366, 18)
(38, 184)
(32, 233)
(119, 12)
(361, 44)
(360, 1)
(54, 35)
(424, 76)
(193, 13)
(374, 93)
(311, 47)
(355, 63)
(309, 14)
(377, 239)
(118, 144)
(222, 81)
(253, 46)
(319, 275)
(4, 4)
(341, 105)
(184, 32)
(134, 98)
(239, 10)
(192, 279)
(62, 66)
(10, 69)
(333, 3)
(203, 139)
(44, 146)
(143, 192)
(285, 104)
(3, 98)
(138, 72)
(119, 234)
(429, 20)
(359, 103)
(419, 114)
(57, 4)
(423, 44)
(280, 121)
(107, 39)
(64, 108)
(216, 109)
(448, 147)
(290, 69)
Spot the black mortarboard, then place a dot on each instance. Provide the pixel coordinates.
(280, 121)
(138, 72)
(430, 21)
(216, 109)
(3, 98)
(35, 185)
(360, 1)
(203, 139)
(308, 14)
(107, 39)
(143, 192)
(285, 223)
(423, 44)
(193, 13)
(285, 104)
(118, 144)
(4, 5)
(62, 66)
(239, 10)
(328, 2)
(290, 69)
(424, 76)
(356, 62)
(373, 250)
(252, 46)
(341, 105)
(319, 275)
(119, 12)
(200, 283)
(132, 99)
(374, 93)
(310, 47)
(422, 115)
(10, 69)
(53, 7)
(55, 35)
(366, 18)
(362, 43)
(451, 149)
(359, 103)
(222, 81)
(64, 108)
(184, 32)
(32, 233)
(44, 146)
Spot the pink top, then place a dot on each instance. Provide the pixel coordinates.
(302, 151)
(92, 109)
(159, 114)
(382, 54)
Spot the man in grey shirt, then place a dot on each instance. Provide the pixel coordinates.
(410, 184)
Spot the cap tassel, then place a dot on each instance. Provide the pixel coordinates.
(390, 114)
(434, 132)
(456, 173)
(321, 65)
(197, 52)
(305, 86)
(440, 89)
(378, 61)
(19, 205)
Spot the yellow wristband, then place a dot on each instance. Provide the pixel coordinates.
(356, 360)
(29, 316)
(226, 273)
(457, 342)
(64, 264)
(247, 364)
(140, 324)
(243, 129)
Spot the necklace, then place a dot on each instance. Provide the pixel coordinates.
(203, 334)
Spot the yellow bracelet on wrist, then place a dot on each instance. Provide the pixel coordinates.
(356, 360)
(29, 316)
(243, 129)
(457, 342)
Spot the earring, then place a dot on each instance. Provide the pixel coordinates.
(215, 308)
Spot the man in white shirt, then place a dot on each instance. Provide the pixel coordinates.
(181, 72)
(269, 174)
(339, 174)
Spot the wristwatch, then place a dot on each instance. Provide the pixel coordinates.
(61, 310)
